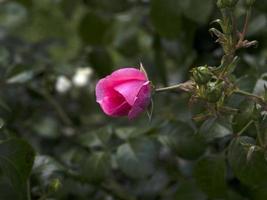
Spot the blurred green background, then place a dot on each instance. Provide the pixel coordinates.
(52, 52)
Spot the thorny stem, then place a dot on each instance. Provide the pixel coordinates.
(173, 87)
(245, 29)
(245, 128)
(185, 86)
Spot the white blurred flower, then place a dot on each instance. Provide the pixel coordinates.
(82, 76)
(63, 84)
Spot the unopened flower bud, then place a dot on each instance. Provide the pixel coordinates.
(55, 185)
(214, 91)
(226, 3)
(202, 74)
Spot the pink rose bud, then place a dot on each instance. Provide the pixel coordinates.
(125, 92)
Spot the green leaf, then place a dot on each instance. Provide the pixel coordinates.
(21, 77)
(245, 114)
(181, 138)
(48, 174)
(99, 138)
(188, 190)
(12, 14)
(259, 87)
(4, 56)
(252, 172)
(97, 166)
(153, 185)
(136, 158)
(257, 25)
(210, 173)
(95, 29)
(108, 6)
(199, 15)
(47, 22)
(6, 190)
(215, 128)
(129, 132)
(26, 3)
(101, 61)
(46, 127)
(4, 105)
(2, 123)
(46, 168)
(166, 17)
(16, 161)
(247, 82)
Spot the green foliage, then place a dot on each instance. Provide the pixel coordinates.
(97, 166)
(16, 162)
(180, 138)
(250, 169)
(210, 173)
(136, 158)
(94, 29)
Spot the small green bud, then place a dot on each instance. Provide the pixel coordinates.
(55, 185)
(214, 91)
(226, 3)
(202, 74)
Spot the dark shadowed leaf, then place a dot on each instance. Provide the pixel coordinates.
(153, 185)
(166, 17)
(210, 173)
(108, 6)
(94, 29)
(215, 128)
(136, 158)
(181, 138)
(98, 138)
(97, 166)
(101, 61)
(16, 160)
(244, 115)
(188, 190)
(45, 168)
(199, 15)
(252, 172)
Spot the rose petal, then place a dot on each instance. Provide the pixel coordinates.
(118, 92)
(129, 90)
(142, 101)
(105, 86)
(115, 105)
(102, 90)
(127, 74)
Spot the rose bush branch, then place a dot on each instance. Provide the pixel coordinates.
(128, 92)
(213, 83)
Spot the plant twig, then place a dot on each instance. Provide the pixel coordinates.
(186, 86)
(244, 128)
(259, 99)
(173, 87)
(242, 42)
